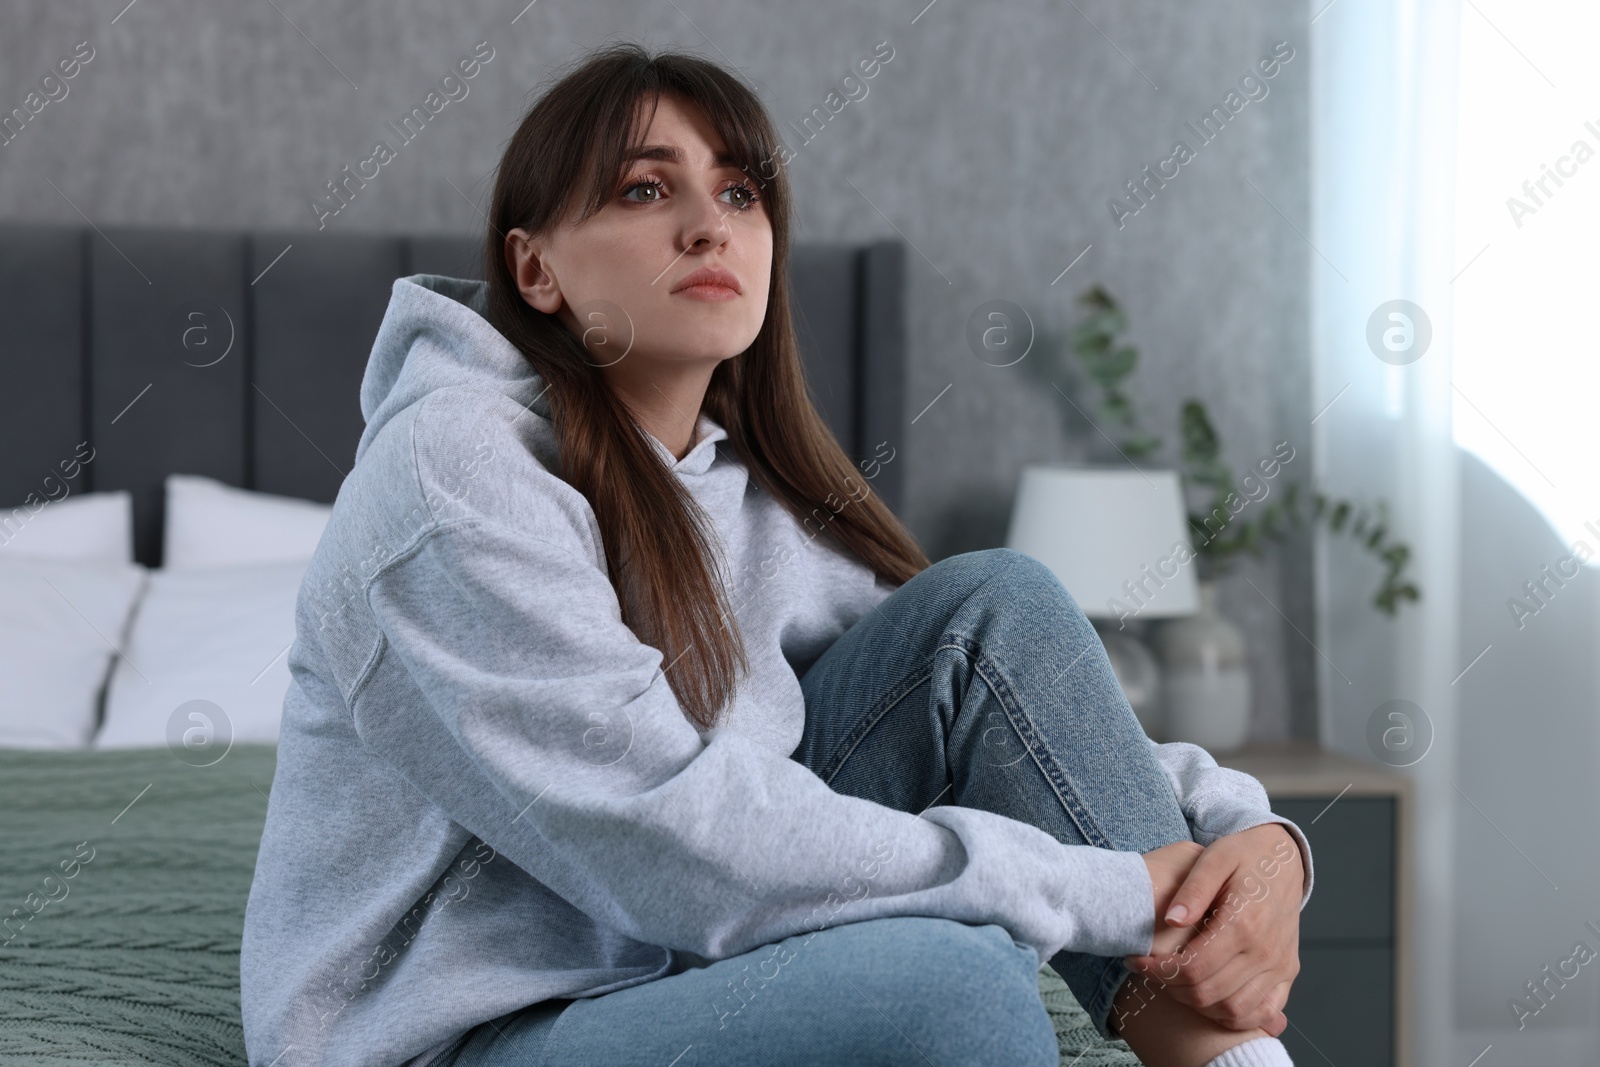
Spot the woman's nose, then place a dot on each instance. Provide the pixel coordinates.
(707, 222)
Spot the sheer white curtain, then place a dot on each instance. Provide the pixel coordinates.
(1383, 146)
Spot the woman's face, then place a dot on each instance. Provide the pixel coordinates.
(617, 278)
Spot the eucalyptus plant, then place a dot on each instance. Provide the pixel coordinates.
(1107, 361)
(1369, 526)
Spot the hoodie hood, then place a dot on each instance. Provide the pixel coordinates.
(436, 334)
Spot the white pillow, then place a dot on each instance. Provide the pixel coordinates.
(60, 621)
(88, 526)
(210, 524)
(219, 635)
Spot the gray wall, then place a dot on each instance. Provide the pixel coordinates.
(992, 141)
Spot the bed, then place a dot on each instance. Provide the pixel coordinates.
(202, 371)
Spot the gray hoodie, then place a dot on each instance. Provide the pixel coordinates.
(487, 794)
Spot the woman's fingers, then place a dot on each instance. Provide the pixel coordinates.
(1254, 1004)
(1225, 981)
(1205, 950)
(1239, 998)
(1247, 993)
(1199, 890)
(1170, 940)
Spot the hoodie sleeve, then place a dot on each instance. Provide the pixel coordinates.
(576, 760)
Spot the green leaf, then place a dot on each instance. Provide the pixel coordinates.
(1141, 445)
(1086, 334)
(1121, 362)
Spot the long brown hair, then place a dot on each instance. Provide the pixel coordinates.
(661, 549)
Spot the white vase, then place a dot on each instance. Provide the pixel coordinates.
(1205, 678)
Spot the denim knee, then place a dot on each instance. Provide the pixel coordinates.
(985, 566)
(1009, 566)
(1006, 575)
(968, 991)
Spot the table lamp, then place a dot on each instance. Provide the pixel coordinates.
(1118, 540)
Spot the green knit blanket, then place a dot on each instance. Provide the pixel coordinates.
(123, 878)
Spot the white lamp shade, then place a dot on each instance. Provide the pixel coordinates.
(1118, 539)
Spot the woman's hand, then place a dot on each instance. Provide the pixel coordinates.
(1231, 945)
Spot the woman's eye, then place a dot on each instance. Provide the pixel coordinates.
(647, 183)
(749, 195)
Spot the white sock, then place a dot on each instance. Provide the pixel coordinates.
(1258, 1052)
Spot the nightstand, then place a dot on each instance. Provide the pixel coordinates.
(1348, 1004)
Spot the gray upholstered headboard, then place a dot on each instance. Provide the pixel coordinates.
(239, 355)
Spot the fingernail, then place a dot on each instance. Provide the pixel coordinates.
(1177, 914)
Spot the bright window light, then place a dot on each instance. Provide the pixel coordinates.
(1527, 292)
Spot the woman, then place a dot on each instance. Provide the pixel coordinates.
(629, 725)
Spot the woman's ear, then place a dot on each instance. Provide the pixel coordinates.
(533, 279)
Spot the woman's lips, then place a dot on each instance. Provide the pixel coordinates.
(708, 292)
(710, 282)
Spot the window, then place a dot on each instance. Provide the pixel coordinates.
(1527, 291)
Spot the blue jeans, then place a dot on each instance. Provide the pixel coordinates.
(979, 682)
